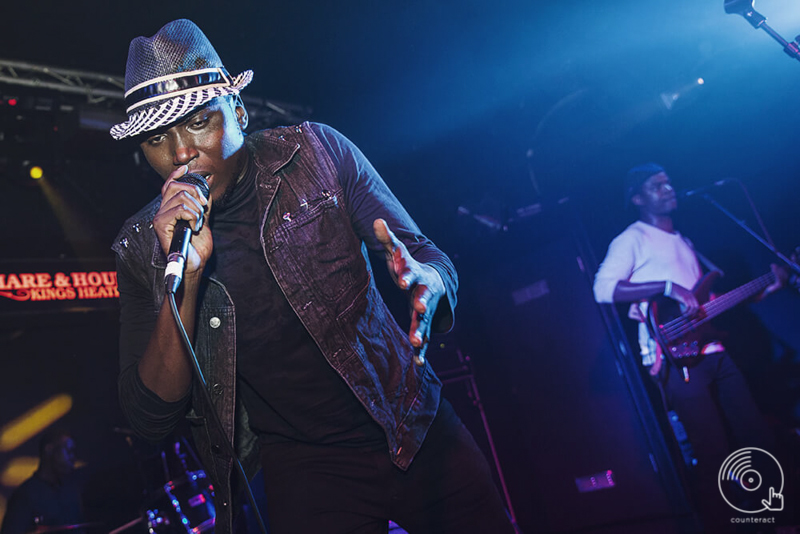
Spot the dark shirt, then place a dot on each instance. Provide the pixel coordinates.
(289, 389)
(37, 501)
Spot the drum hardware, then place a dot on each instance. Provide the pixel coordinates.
(184, 504)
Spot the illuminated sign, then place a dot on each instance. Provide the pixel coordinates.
(59, 286)
(55, 285)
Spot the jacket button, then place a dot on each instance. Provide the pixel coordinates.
(215, 322)
(215, 449)
(217, 389)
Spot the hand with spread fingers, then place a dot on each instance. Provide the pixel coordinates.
(423, 281)
(184, 201)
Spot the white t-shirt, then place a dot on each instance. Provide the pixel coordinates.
(645, 253)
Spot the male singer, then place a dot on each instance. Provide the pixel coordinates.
(311, 376)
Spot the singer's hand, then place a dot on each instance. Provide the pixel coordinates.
(423, 281)
(184, 201)
(688, 301)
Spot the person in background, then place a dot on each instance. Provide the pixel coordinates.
(52, 495)
(651, 258)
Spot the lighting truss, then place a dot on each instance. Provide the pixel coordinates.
(95, 86)
(108, 91)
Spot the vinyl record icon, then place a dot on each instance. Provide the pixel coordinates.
(749, 478)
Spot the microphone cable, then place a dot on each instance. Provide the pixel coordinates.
(214, 416)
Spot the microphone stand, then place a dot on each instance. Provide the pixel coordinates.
(771, 247)
(757, 20)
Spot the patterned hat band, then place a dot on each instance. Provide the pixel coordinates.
(166, 108)
(174, 85)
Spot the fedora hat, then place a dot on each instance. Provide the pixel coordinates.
(170, 74)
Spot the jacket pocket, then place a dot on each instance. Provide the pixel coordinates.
(326, 251)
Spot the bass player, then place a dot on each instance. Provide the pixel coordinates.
(711, 398)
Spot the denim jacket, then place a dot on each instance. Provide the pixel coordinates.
(316, 229)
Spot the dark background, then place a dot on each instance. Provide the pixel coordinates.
(467, 109)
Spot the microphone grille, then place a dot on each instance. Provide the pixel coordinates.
(197, 180)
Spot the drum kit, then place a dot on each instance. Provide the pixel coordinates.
(183, 504)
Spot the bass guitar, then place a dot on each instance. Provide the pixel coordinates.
(682, 336)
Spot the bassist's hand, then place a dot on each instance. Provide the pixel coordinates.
(686, 298)
(781, 277)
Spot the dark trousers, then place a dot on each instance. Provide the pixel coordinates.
(447, 489)
(719, 416)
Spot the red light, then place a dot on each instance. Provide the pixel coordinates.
(12, 101)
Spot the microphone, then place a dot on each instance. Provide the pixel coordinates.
(699, 190)
(181, 236)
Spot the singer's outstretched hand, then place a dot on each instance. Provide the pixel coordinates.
(423, 281)
(184, 201)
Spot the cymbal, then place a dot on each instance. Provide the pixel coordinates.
(47, 529)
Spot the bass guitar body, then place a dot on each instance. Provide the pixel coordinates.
(682, 336)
